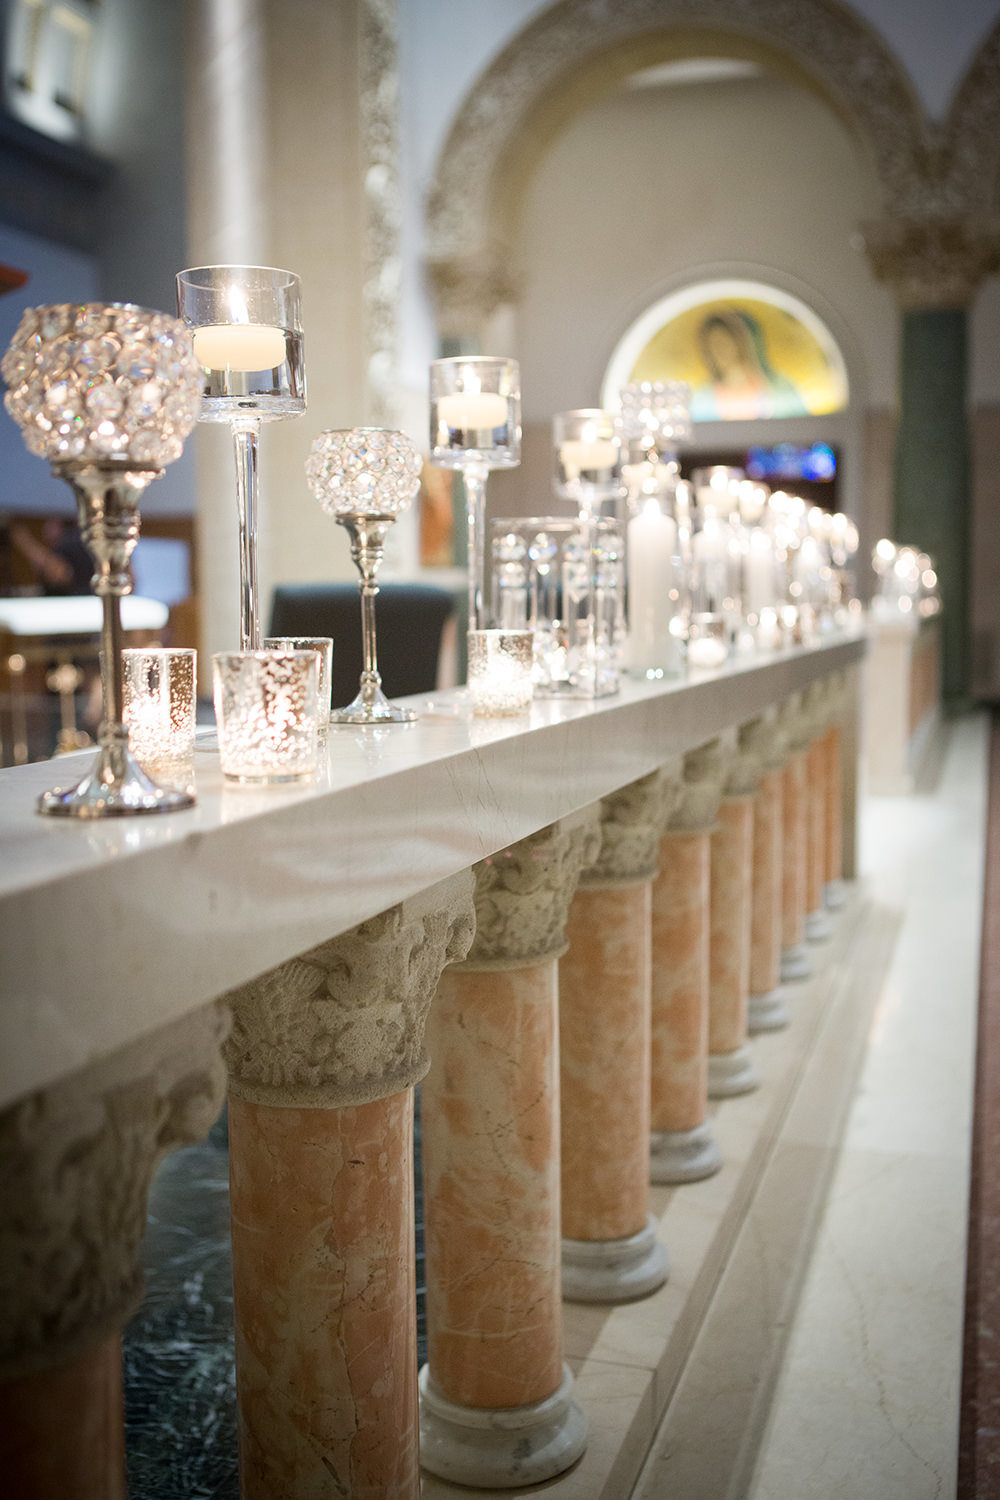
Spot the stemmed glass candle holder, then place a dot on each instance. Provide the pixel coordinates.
(475, 426)
(107, 393)
(364, 477)
(247, 323)
(587, 448)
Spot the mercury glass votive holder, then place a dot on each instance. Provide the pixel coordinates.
(266, 710)
(323, 646)
(500, 672)
(159, 712)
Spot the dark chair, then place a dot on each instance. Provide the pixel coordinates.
(410, 620)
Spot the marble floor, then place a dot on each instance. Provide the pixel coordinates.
(808, 1341)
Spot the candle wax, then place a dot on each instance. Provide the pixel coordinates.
(476, 410)
(241, 347)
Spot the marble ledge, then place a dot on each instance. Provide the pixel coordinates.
(110, 930)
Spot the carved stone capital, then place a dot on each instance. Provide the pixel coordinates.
(76, 1161)
(633, 821)
(344, 1023)
(796, 722)
(763, 739)
(523, 893)
(467, 292)
(705, 772)
(934, 261)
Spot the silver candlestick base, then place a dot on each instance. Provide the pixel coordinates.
(371, 706)
(116, 786)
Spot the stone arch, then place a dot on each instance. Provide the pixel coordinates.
(578, 49)
(970, 149)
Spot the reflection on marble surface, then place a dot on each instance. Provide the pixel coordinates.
(180, 1381)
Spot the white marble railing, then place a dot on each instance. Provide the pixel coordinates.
(324, 914)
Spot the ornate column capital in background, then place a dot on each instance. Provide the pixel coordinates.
(633, 821)
(344, 1023)
(469, 291)
(76, 1161)
(934, 261)
(706, 771)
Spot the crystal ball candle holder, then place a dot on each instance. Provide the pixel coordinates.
(364, 477)
(107, 392)
(656, 415)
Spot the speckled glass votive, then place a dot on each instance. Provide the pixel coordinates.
(266, 710)
(323, 646)
(500, 672)
(158, 699)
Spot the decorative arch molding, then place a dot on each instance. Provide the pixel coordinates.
(578, 49)
(970, 151)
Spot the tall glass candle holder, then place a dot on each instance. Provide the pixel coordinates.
(364, 477)
(107, 392)
(656, 582)
(247, 323)
(475, 426)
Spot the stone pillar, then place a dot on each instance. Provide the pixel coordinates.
(682, 1145)
(610, 1251)
(323, 1057)
(497, 1404)
(817, 705)
(935, 263)
(796, 727)
(833, 891)
(730, 1062)
(767, 1010)
(76, 1161)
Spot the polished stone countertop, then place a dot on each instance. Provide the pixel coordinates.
(111, 929)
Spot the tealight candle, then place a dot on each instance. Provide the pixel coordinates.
(576, 454)
(706, 651)
(475, 410)
(241, 347)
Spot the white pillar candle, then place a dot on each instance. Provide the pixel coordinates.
(652, 542)
(478, 410)
(759, 583)
(241, 347)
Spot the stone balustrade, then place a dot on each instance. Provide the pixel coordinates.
(412, 908)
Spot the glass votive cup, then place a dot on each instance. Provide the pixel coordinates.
(158, 710)
(323, 646)
(500, 672)
(707, 646)
(266, 711)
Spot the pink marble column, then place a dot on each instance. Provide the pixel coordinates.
(796, 726)
(682, 1145)
(496, 1398)
(834, 895)
(610, 1249)
(322, 1060)
(767, 1009)
(76, 1161)
(817, 924)
(730, 1063)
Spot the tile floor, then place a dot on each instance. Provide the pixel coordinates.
(808, 1341)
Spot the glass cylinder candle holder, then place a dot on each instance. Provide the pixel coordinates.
(323, 646)
(475, 426)
(562, 578)
(246, 324)
(656, 587)
(587, 447)
(159, 712)
(266, 711)
(500, 672)
(707, 641)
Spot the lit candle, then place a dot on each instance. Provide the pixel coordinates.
(241, 347)
(652, 542)
(578, 454)
(760, 590)
(478, 410)
(706, 651)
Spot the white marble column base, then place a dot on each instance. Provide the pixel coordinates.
(768, 1012)
(835, 895)
(683, 1155)
(614, 1270)
(500, 1447)
(819, 928)
(731, 1073)
(795, 963)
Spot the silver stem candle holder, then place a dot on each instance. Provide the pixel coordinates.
(364, 477)
(107, 393)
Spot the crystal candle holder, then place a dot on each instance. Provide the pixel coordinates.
(266, 708)
(364, 477)
(587, 448)
(475, 426)
(323, 646)
(656, 415)
(107, 392)
(246, 323)
(500, 672)
(159, 712)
